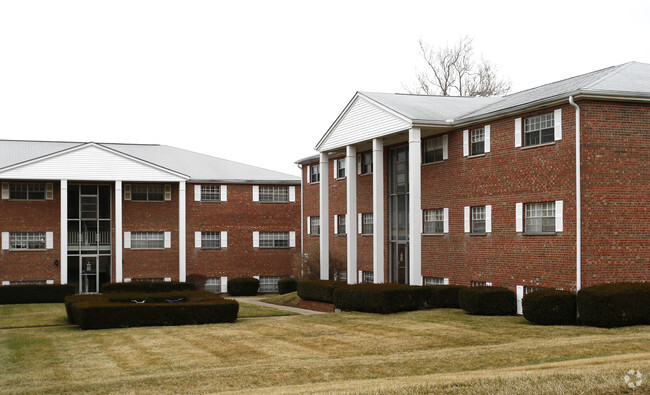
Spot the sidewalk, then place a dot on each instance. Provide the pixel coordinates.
(257, 300)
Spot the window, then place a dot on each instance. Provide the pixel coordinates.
(314, 226)
(481, 284)
(366, 163)
(210, 193)
(26, 191)
(539, 129)
(528, 290)
(270, 194)
(433, 150)
(434, 221)
(435, 281)
(213, 284)
(148, 240)
(148, 192)
(340, 168)
(269, 283)
(274, 239)
(366, 224)
(342, 275)
(540, 218)
(210, 239)
(314, 173)
(368, 277)
(27, 241)
(340, 225)
(478, 220)
(478, 141)
(149, 280)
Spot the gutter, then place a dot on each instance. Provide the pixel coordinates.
(302, 233)
(578, 200)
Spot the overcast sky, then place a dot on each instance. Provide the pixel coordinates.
(260, 82)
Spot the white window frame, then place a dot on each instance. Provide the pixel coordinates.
(478, 215)
(210, 238)
(273, 194)
(210, 193)
(269, 284)
(339, 167)
(365, 163)
(148, 192)
(313, 171)
(477, 136)
(340, 222)
(313, 226)
(435, 144)
(274, 240)
(30, 188)
(147, 240)
(436, 281)
(213, 284)
(433, 216)
(366, 225)
(541, 125)
(32, 241)
(539, 210)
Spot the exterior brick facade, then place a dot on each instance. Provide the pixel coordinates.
(615, 209)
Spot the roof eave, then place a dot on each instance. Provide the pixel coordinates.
(231, 181)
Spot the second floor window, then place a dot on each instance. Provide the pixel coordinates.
(478, 219)
(340, 225)
(210, 239)
(26, 191)
(366, 163)
(314, 173)
(340, 168)
(27, 241)
(147, 240)
(148, 192)
(274, 239)
(433, 150)
(366, 224)
(539, 129)
(271, 194)
(478, 141)
(210, 193)
(314, 226)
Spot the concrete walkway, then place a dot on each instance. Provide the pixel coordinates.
(257, 300)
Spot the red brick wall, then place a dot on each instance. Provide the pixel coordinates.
(503, 177)
(141, 216)
(615, 150)
(240, 216)
(31, 216)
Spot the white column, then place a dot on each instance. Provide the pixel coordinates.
(415, 207)
(324, 218)
(378, 210)
(182, 236)
(63, 261)
(119, 232)
(351, 169)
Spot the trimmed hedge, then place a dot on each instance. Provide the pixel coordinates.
(442, 296)
(615, 305)
(287, 285)
(550, 307)
(487, 301)
(379, 298)
(244, 286)
(35, 293)
(147, 286)
(318, 290)
(98, 312)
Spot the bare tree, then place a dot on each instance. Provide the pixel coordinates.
(453, 71)
(307, 266)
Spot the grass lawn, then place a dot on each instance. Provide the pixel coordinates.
(291, 299)
(440, 350)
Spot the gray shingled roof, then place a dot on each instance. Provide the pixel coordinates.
(430, 108)
(196, 166)
(631, 79)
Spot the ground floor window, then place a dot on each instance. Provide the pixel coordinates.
(274, 239)
(434, 221)
(540, 218)
(213, 284)
(269, 283)
(481, 284)
(368, 277)
(27, 282)
(434, 281)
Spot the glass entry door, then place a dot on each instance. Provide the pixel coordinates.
(89, 274)
(399, 263)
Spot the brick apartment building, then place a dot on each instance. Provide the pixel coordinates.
(89, 213)
(482, 191)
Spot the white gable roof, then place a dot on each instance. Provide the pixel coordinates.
(89, 162)
(361, 120)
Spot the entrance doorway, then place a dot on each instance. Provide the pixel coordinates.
(399, 263)
(89, 274)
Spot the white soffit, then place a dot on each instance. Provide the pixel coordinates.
(90, 162)
(362, 120)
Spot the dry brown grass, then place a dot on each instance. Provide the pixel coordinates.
(418, 352)
(290, 299)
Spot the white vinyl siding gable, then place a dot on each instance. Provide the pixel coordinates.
(362, 121)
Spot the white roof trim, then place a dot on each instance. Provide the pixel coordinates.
(347, 109)
(173, 174)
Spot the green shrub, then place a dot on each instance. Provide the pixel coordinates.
(550, 307)
(615, 305)
(318, 290)
(199, 307)
(244, 286)
(442, 296)
(198, 280)
(287, 285)
(147, 286)
(35, 293)
(72, 299)
(487, 301)
(379, 298)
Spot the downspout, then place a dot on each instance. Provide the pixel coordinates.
(578, 200)
(302, 236)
